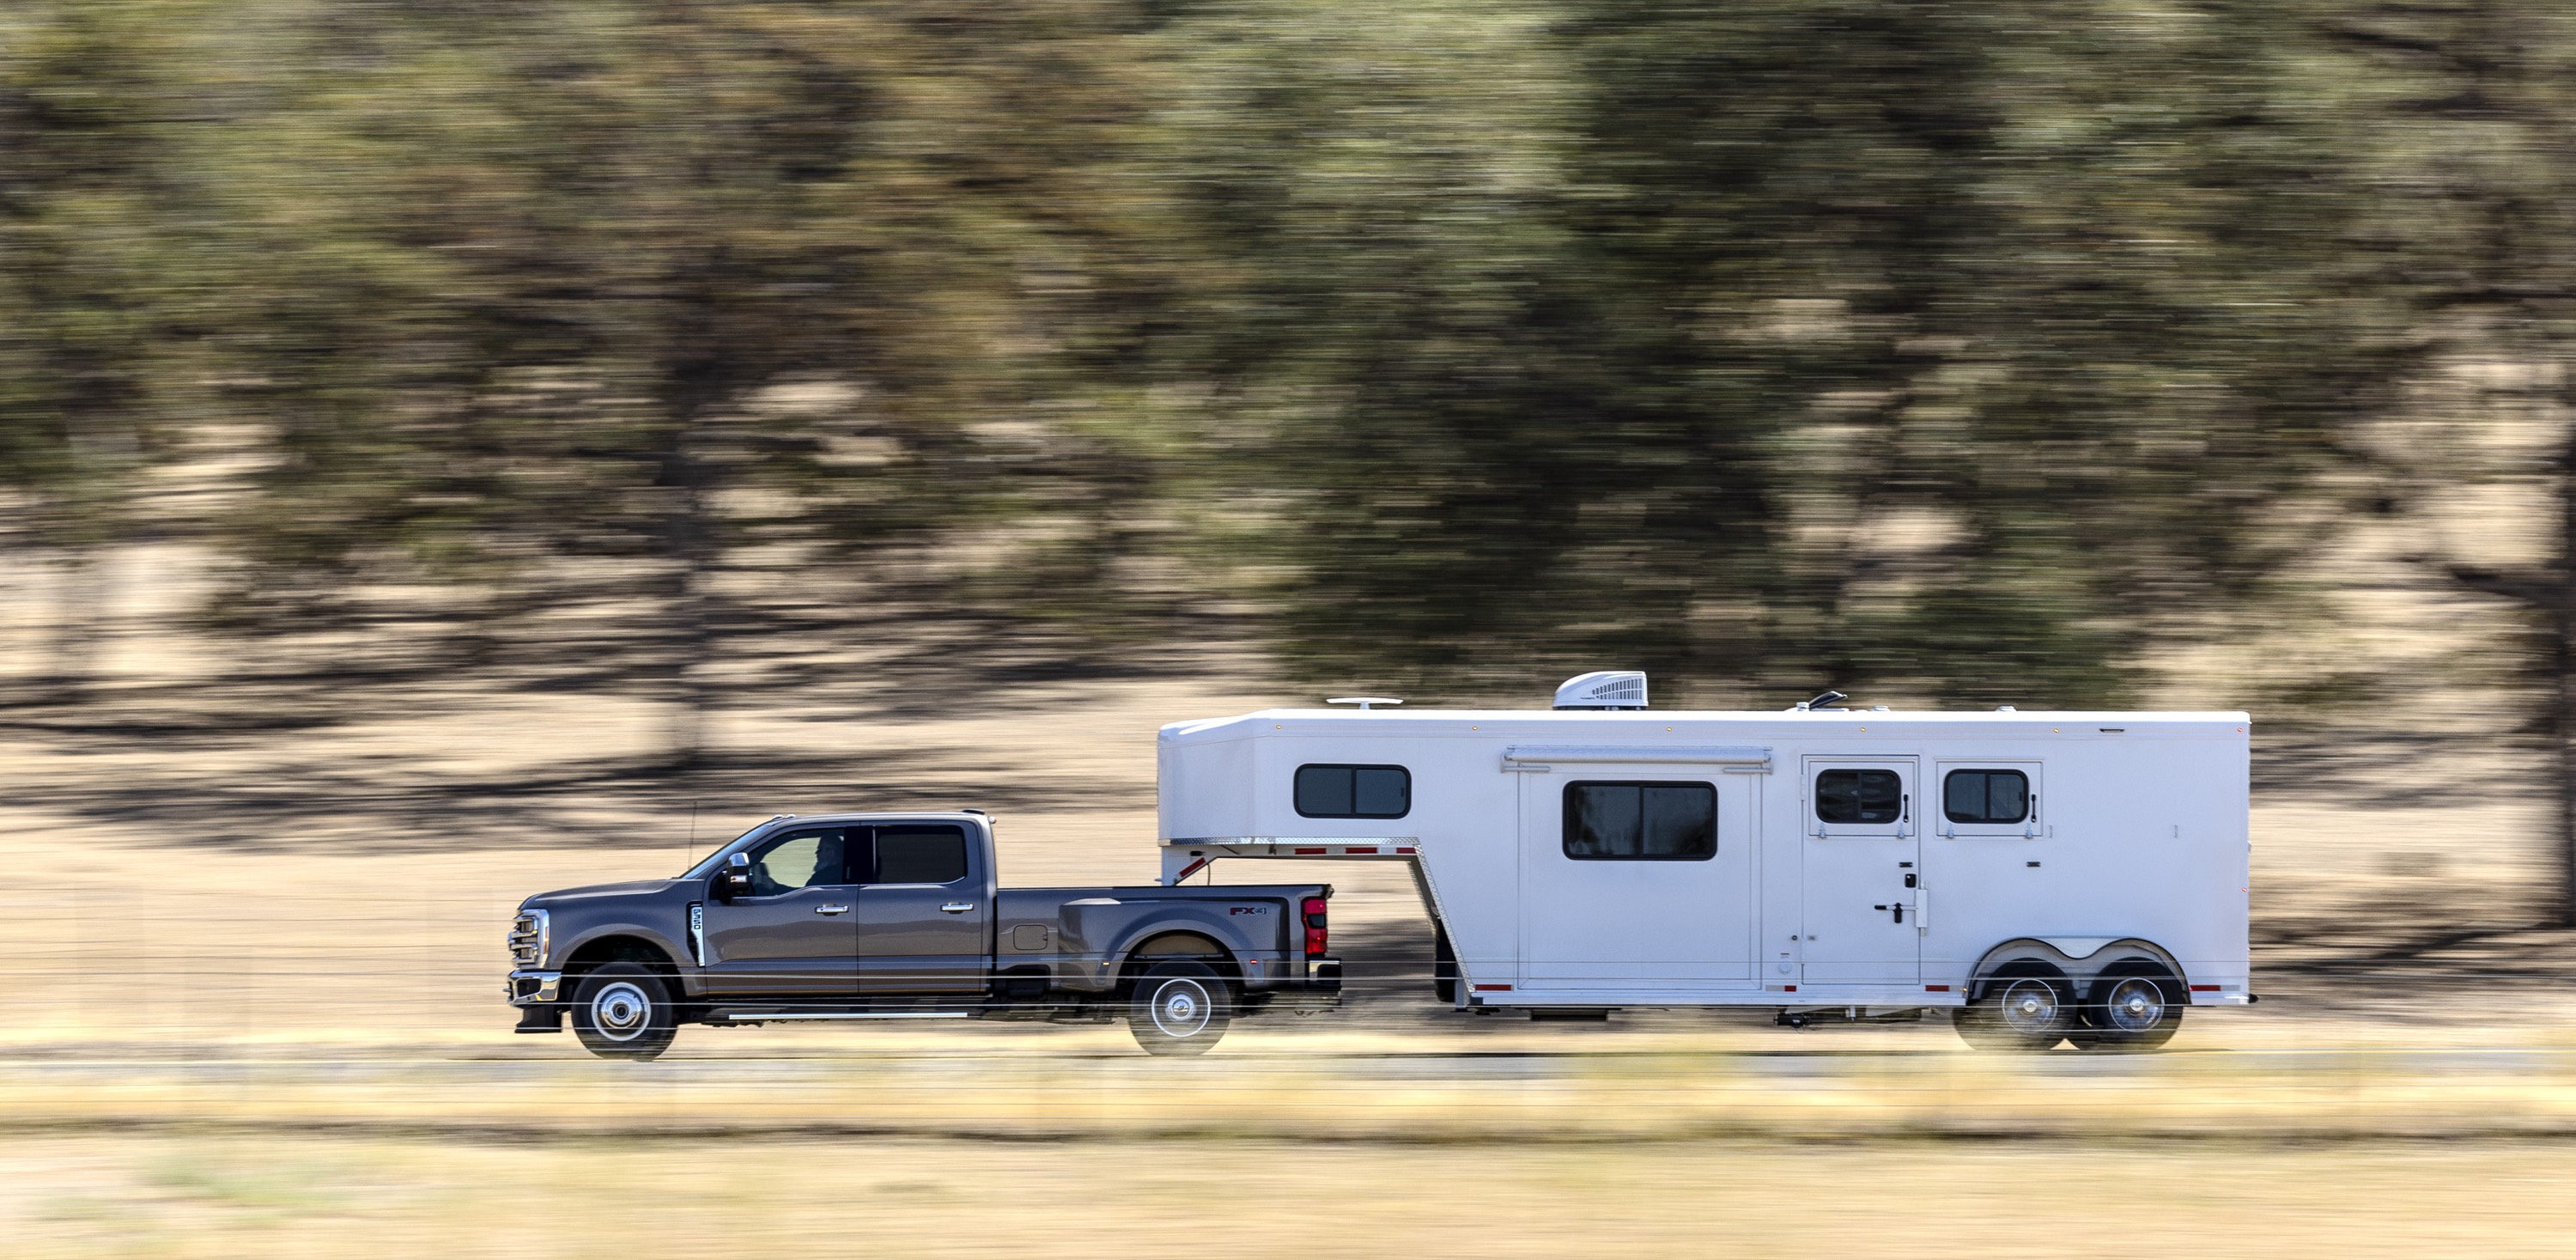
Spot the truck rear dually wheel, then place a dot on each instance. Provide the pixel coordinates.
(623, 1011)
(1180, 1008)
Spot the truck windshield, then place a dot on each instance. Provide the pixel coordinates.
(708, 866)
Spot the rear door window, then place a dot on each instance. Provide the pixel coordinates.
(920, 853)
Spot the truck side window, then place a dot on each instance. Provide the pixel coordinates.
(800, 859)
(1641, 822)
(1858, 796)
(1354, 791)
(921, 853)
(1986, 796)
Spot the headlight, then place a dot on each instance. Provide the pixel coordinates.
(530, 935)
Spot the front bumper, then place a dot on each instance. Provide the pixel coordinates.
(533, 988)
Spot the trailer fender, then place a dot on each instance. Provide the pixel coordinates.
(2080, 957)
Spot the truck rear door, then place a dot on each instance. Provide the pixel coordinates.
(925, 910)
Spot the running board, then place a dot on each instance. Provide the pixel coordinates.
(753, 1017)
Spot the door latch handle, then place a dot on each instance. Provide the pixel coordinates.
(831, 909)
(957, 907)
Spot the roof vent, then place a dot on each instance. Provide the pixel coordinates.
(1603, 689)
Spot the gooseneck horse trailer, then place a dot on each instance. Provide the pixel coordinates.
(2045, 876)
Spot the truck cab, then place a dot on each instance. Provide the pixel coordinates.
(901, 915)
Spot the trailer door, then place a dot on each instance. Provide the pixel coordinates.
(1862, 871)
(1637, 880)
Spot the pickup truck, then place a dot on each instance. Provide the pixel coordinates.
(900, 916)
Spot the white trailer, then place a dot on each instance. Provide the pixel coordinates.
(2050, 876)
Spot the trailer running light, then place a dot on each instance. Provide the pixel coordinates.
(2204, 988)
(1936, 988)
(1313, 909)
(1304, 852)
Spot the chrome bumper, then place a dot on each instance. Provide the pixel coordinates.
(533, 988)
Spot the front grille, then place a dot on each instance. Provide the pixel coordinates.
(528, 938)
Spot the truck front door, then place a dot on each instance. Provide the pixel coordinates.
(924, 911)
(791, 934)
(1862, 872)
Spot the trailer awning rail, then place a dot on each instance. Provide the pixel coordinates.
(1543, 756)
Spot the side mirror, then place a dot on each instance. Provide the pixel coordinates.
(734, 879)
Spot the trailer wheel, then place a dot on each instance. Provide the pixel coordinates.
(1180, 1008)
(621, 1010)
(2136, 1005)
(2026, 1006)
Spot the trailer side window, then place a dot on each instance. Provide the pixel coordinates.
(1986, 796)
(1642, 822)
(1858, 796)
(1354, 791)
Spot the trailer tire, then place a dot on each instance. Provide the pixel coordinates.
(2026, 1006)
(2135, 1005)
(622, 1010)
(1180, 1008)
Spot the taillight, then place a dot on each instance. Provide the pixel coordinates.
(1315, 935)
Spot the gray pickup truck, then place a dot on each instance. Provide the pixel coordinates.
(900, 916)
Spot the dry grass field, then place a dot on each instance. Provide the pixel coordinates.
(255, 925)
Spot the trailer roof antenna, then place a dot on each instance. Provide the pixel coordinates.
(1365, 702)
(1826, 701)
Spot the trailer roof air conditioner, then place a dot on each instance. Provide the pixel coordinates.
(1603, 689)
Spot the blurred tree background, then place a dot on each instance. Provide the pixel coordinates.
(1972, 352)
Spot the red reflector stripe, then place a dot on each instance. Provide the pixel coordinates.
(1302, 852)
(1788, 988)
(1936, 988)
(1492, 988)
(1401, 849)
(1370, 849)
(2204, 988)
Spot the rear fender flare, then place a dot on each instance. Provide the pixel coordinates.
(1209, 923)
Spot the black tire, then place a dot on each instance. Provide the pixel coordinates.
(1179, 1008)
(2135, 1005)
(2025, 1007)
(622, 1010)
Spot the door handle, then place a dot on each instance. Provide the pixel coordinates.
(831, 909)
(957, 907)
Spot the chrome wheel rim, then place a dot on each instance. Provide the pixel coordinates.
(2135, 1005)
(1181, 1008)
(2030, 1006)
(621, 1011)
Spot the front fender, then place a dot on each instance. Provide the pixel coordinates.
(670, 939)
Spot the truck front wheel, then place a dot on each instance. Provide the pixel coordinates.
(1180, 1008)
(623, 1011)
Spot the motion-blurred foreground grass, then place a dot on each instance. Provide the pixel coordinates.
(331, 1196)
